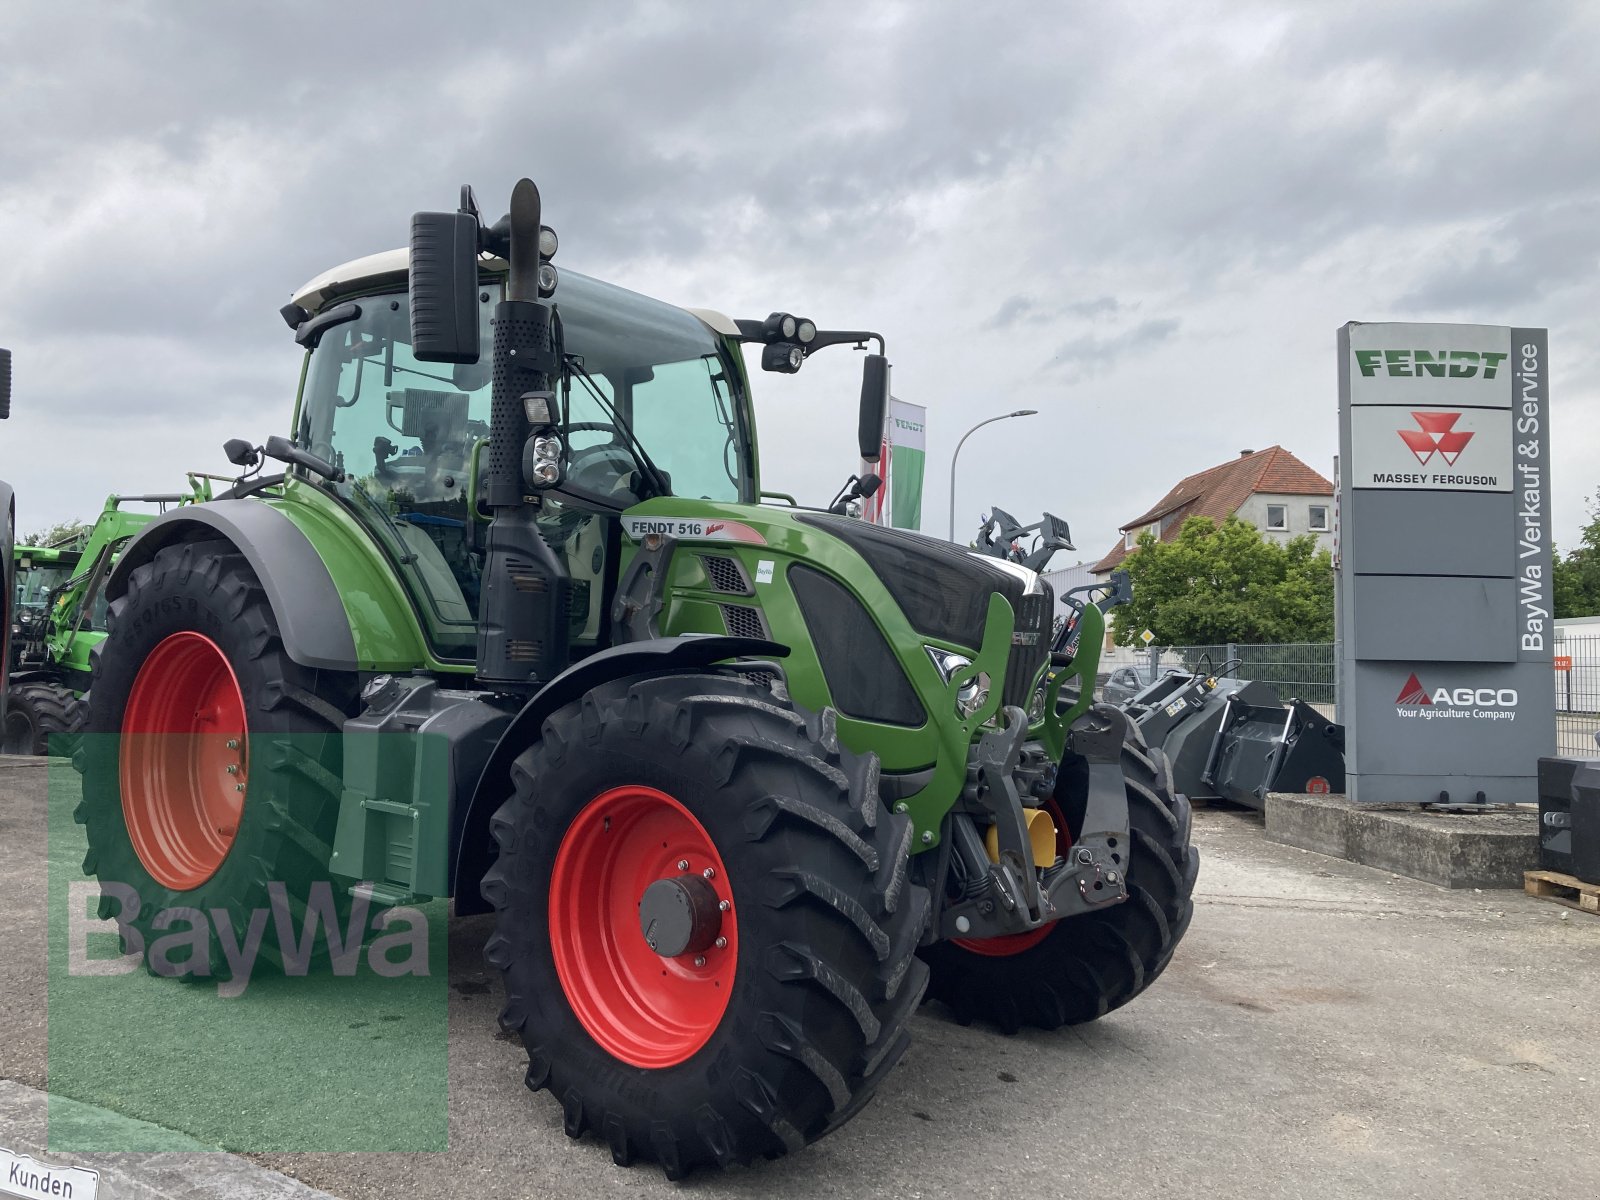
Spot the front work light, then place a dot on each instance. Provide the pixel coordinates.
(782, 356)
(541, 458)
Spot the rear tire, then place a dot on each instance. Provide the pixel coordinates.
(1090, 964)
(769, 1041)
(193, 693)
(36, 713)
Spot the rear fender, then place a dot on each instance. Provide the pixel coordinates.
(655, 656)
(311, 616)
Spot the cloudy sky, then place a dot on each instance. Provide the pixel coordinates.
(1145, 220)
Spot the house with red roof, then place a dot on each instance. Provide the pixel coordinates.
(1271, 489)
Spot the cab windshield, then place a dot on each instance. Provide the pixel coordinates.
(35, 584)
(405, 432)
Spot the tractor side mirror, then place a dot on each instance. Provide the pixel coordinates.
(444, 283)
(874, 405)
(5, 384)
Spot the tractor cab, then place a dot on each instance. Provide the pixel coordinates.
(641, 379)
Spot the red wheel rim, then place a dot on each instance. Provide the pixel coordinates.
(183, 763)
(644, 1009)
(1015, 943)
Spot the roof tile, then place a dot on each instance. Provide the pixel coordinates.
(1217, 492)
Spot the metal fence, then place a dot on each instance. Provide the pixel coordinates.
(1302, 670)
(1577, 695)
(1308, 670)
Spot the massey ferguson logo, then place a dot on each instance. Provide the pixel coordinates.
(1436, 434)
(1486, 704)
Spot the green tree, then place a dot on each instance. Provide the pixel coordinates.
(1227, 584)
(1576, 583)
(58, 534)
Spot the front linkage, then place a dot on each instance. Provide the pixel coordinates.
(1029, 883)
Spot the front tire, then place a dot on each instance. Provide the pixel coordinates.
(39, 712)
(1080, 968)
(767, 1016)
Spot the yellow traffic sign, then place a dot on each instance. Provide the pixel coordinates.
(1147, 637)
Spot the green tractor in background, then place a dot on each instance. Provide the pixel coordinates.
(8, 537)
(742, 781)
(60, 618)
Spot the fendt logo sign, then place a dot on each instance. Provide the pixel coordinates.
(1484, 704)
(1435, 364)
(1436, 434)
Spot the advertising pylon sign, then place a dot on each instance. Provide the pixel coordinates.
(1444, 602)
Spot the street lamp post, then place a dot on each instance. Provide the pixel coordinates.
(1021, 412)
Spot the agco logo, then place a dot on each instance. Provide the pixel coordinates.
(1416, 700)
(1436, 434)
(1440, 364)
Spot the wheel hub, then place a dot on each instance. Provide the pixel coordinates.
(643, 929)
(680, 916)
(184, 767)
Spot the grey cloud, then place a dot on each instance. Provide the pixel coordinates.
(1512, 263)
(167, 175)
(1092, 354)
(1025, 310)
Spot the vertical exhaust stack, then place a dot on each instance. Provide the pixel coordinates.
(5, 384)
(523, 632)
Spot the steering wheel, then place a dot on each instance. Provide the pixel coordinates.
(603, 469)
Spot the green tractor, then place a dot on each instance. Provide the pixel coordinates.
(8, 537)
(742, 781)
(60, 619)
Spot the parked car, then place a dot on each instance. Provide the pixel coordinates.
(1123, 684)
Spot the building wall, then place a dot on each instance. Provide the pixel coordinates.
(1066, 578)
(1298, 512)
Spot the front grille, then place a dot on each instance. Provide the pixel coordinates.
(1030, 645)
(744, 621)
(726, 574)
(942, 590)
(865, 679)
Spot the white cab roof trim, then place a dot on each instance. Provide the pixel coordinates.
(720, 322)
(389, 262)
(347, 276)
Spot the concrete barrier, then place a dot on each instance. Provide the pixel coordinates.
(1453, 850)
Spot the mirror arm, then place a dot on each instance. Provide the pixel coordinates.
(755, 331)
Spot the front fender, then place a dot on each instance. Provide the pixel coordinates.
(654, 656)
(311, 617)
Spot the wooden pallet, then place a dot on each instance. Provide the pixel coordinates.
(1563, 889)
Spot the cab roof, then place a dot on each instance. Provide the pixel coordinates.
(392, 266)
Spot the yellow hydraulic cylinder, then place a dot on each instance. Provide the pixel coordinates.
(1041, 836)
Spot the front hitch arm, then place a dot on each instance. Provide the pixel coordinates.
(1012, 895)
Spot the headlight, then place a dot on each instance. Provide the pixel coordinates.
(1036, 705)
(974, 693)
(547, 449)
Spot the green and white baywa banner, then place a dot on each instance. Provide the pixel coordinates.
(900, 465)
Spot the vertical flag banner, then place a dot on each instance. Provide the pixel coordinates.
(900, 465)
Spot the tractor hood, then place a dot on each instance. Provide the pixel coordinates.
(857, 595)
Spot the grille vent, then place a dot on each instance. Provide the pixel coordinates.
(744, 621)
(726, 574)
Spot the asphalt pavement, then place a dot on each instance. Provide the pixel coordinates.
(1325, 1030)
